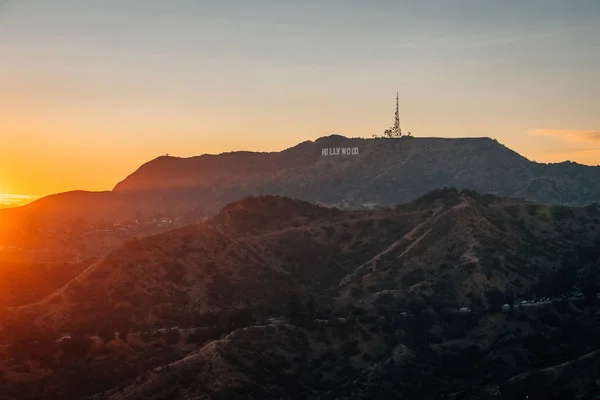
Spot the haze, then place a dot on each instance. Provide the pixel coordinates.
(91, 90)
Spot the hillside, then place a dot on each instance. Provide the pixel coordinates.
(384, 172)
(445, 248)
(40, 280)
(179, 276)
(343, 279)
(471, 243)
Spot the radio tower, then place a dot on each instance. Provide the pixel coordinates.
(396, 131)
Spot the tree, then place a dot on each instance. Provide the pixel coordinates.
(509, 297)
(76, 347)
(589, 281)
(241, 318)
(296, 310)
(311, 307)
(106, 334)
(567, 276)
(416, 305)
(476, 304)
(206, 319)
(172, 336)
(495, 299)
(123, 333)
(421, 324)
(146, 337)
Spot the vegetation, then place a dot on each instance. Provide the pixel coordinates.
(373, 305)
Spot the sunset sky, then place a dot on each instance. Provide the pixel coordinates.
(91, 89)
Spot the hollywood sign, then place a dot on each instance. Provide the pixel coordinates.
(340, 151)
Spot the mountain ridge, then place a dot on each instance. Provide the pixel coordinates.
(367, 296)
(383, 173)
(445, 238)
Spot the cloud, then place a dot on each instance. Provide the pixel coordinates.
(572, 136)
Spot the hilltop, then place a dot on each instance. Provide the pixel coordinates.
(383, 173)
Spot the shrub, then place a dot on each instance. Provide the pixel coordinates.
(495, 299)
(366, 319)
(146, 337)
(513, 211)
(561, 212)
(350, 349)
(22, 369)
(106, 334)
(593, 209)
(323, 339)
(532, 209)
(173, 336)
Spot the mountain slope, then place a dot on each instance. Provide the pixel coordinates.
(384, 172)
(175, 277)
(263, 256)
(445, 248)
(470, 244)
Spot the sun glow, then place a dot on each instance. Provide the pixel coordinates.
(11, 200)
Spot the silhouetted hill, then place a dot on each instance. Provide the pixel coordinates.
(385, 172)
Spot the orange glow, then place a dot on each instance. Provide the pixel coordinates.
(87, 97)
(11, 200)
(69, 161)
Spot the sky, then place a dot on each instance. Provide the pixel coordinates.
(90, 90)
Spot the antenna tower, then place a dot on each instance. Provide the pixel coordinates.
(396, 130)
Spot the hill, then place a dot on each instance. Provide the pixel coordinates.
(230, 262)
(446, 248)
(384, 172)
(40, 279)
(470, 244)
(370, 297)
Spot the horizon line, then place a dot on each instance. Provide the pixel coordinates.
(30, 198)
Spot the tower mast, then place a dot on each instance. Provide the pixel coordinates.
(394, 131)
(397, 131)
